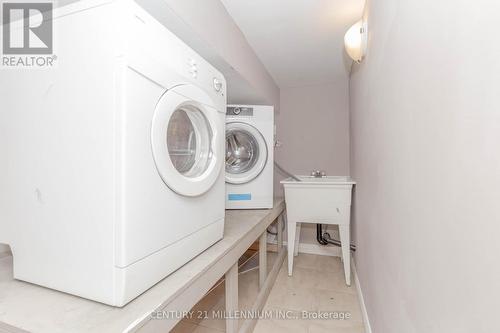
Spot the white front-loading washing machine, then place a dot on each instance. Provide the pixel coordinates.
(113, 175)
(249, 156)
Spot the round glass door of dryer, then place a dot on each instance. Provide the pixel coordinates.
(189, 138)
(246, 153)
(184, 140)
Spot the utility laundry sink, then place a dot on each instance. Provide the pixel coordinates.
(324, 180)
(325, 200)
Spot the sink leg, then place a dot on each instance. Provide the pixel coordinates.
(292, 226)
(346, 251)
(297, 240)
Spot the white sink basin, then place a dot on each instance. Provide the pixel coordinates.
(325, 200)
(331, 180)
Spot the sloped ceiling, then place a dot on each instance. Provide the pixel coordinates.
(299, 41)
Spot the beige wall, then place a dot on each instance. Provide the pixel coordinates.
(425, 129)
(4, 248)
(313, 126)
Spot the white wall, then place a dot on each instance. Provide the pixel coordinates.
(209, 21)
(313, 126)
(207, 27)
(425, 129)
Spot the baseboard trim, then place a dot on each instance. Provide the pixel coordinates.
(322, 250)
(364, 312)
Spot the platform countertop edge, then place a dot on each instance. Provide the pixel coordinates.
(28, 307)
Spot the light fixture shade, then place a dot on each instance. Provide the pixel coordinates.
(355, 41)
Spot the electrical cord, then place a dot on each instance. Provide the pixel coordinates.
(283, 225)
(285, 172)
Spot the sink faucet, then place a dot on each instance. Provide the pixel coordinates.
(318, 173)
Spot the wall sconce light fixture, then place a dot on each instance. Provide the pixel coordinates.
(355, 41)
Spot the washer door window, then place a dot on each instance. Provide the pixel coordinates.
(246, 153)
(184, 137)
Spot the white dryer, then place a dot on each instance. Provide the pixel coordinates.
(249, 156)
(114, 158)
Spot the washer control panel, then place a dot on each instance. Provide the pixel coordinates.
(239, 111)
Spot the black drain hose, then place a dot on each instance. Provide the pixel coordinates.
(319, 235)
(325, 238)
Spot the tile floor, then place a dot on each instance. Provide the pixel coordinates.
(317, 285)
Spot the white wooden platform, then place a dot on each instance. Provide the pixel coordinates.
(27, 307)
